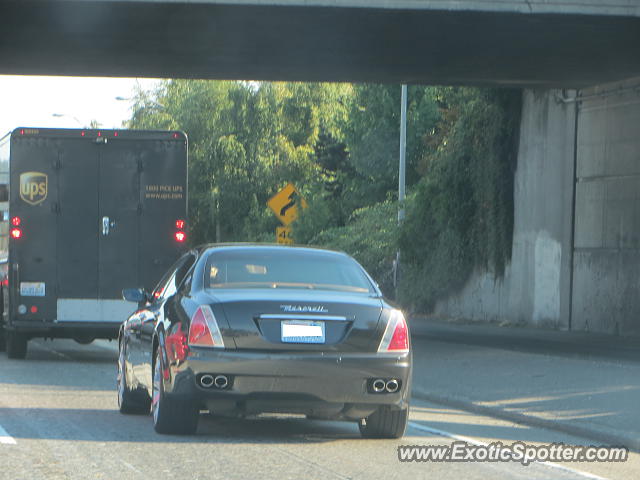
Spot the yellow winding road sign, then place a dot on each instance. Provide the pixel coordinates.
(285, 204)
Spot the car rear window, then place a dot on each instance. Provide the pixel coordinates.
(285, 269)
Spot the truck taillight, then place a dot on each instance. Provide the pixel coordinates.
(179, 235)
(16, 232)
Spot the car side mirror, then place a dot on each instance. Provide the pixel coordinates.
(135, 295)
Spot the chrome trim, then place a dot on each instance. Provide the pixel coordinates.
(302, 316)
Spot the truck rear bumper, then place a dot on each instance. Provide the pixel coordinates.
(48, 329)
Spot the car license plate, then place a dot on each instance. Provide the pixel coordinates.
(32, 289)
(302, 331)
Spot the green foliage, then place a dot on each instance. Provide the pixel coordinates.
(373, 138)
(369, 236)
(338, 143)
(461, 215)
(246, 141)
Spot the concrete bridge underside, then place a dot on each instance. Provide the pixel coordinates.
(516, 43)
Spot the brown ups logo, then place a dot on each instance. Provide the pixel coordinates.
(33, 187)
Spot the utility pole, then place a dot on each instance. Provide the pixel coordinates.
(401, 174)
(403, 153)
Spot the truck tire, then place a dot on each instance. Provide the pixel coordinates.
(16, 345)
(3, 338)
(3, 332)
(385, 423)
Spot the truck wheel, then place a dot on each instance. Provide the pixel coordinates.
(133, 402)
(171, 415)
(16, 345)
(385, 423)
(3, 332)
(3, 339)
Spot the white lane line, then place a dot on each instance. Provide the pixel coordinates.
(5, 438)
(106, 344)
(130, 467)
(473, 441)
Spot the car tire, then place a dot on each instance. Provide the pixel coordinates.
(136, 402)
(16, 345)
(385, 423)
(171, 415)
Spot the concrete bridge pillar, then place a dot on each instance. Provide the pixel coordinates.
(576, 246)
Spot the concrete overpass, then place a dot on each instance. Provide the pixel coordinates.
(549, 43)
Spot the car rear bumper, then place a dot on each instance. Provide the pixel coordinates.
(328, 385)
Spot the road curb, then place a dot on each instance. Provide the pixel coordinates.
(592, 434)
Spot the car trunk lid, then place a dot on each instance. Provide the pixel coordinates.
(291, 319)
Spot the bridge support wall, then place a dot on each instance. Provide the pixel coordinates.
(576, 246)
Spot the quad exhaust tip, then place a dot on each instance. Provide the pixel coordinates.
(207, 381)
(392, 386)
(219, 381)
(378, 385)
(384, 385)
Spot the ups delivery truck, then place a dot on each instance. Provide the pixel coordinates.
(90, 212)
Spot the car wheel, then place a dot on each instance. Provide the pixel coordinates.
(385, 423)
(16, 345)
(170, 415)
(129, 402)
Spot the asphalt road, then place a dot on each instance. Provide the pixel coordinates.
(59, 420)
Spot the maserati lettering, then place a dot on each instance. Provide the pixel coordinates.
(304, 308)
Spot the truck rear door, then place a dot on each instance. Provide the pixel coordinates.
(117, 223)
(107, 221)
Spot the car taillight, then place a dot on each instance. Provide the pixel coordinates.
(396, 335)
(204, 330)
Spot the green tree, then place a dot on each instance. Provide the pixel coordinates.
(373, 133)
(246, 141)
(460, 216)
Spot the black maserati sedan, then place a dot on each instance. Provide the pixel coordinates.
(250, 329)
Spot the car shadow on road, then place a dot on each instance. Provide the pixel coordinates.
(95, 425)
